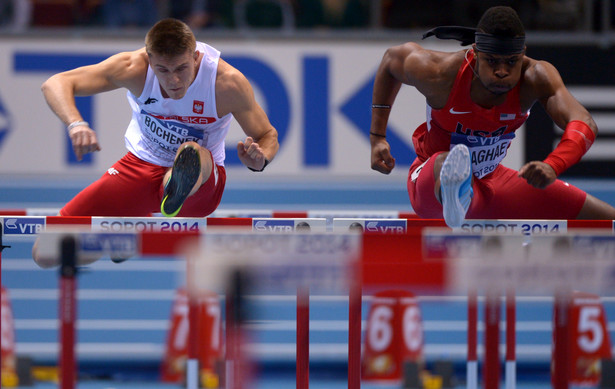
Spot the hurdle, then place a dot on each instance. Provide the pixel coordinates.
(472, 363)
(352, 338)
(511, 358)
(126, 244)
(303, 337)
(329, 255)
(68, 314)
(149, 245)
(78, 244)
(592, 272)
(164, 243)
(491, 365)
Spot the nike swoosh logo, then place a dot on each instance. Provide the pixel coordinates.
(452, 110)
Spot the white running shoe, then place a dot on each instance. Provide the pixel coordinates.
(456, 185)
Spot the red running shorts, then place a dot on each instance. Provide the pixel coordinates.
(133, 187)
(499, 195)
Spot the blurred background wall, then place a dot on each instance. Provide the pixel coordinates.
(312, 64)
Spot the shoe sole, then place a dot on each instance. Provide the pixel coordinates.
(455, 171)
(186, 171)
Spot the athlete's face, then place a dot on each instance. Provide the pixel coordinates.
(175, 74)
(499, 73)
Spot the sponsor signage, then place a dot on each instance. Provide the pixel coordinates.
(316, 104)
(274, 261)
(148, 224)
(525, 227)
(538, 264)
(289, 225)
(390, 226)
(22, 225)
(115, 245)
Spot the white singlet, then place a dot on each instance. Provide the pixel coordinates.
(160, 125)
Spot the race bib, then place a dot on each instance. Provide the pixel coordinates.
(486, 153)
(167, 134)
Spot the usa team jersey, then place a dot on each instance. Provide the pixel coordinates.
(160, 125)
(487, 132)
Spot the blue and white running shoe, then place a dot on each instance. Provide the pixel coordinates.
(456, 185)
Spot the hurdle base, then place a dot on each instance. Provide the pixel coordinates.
(472, 375)
(445, 370)
(24, 371)
(192, 374)
(511, 374)
(607, 377)
(411, 375)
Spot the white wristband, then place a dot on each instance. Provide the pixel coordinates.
(77, 124)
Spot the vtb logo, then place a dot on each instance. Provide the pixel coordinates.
(24, 225)
(273, 225)
(197, 106)
(386, 226)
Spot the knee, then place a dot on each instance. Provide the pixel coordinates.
(437, 166)
(207, 161)
(190, 144)
(596, 209)
(205, 155)
(41, 261)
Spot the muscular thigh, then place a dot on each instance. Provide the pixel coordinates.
(205, 200)
(503, 195)
(421, 182)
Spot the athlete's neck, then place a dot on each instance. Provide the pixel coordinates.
(480, 95)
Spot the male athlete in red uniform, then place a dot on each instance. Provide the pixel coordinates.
(476, 99)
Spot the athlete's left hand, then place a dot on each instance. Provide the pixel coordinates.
(538, 174)
(251, 154)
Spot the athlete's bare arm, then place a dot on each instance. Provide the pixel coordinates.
(432, 73)
(235, 95)
(126, 70)
(542, 82)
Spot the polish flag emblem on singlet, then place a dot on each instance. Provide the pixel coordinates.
(197, 106)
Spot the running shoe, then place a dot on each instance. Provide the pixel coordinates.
(456, 185)
(185, 173)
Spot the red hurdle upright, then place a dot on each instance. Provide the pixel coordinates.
(560, 341)
(511, 339)
(491, 364)
(472, 363)
(303, 337)
(67, 313)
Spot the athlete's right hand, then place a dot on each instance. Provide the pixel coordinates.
(382, 160)
(538, 174)
(84, 141)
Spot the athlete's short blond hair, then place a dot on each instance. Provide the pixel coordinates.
(169, 38)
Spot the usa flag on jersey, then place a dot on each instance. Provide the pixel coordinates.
(507, 116)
